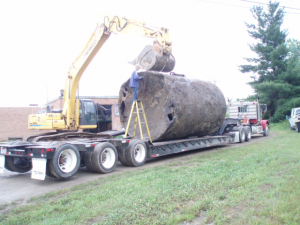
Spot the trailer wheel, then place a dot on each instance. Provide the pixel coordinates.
(48, 171)
(247, 134)
(136, 153)
(242, 135)
(65, 161)
(18, 164)
(266, 131)
(123, 160)
(88, 161)
(104, 157)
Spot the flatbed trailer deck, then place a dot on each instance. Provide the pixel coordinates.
(176, 146)
(24, 156)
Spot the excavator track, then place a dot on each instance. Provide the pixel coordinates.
(70, 135)
(30, 138)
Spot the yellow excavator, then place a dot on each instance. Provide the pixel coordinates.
(81, 114)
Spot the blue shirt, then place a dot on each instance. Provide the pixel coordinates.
(134, 80)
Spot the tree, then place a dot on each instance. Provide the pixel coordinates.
(271, 62)
(292, 80)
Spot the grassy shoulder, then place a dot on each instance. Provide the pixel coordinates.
(253, 184)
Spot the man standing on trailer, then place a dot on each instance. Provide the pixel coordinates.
(134, 83)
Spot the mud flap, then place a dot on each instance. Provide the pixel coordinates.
(38, 169)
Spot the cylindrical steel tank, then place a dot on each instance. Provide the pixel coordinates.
(175, 107)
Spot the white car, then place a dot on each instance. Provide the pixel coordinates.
(295, 119)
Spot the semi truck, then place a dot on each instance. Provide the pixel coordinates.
(250, 114)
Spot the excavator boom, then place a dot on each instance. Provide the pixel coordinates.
(157, 57)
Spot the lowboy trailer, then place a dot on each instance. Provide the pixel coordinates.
(62, 159)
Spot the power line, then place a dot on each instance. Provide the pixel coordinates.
(225, 4)
(219, 3)
(268, 4)
(292, 13)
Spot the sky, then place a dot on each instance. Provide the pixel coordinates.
(40, 39)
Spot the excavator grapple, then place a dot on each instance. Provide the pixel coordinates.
(152, 58)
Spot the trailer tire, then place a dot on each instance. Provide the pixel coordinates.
(88, 162)
(6, 165)
(48, 171)
(104, 157)
(65, 161)
(242, 135)
(123, 160)
(247, 134)
(266, 131)
(21, 167)
(136, 153)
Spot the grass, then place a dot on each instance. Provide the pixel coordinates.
(253, 184)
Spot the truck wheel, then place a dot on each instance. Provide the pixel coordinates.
(297, 129)
(242, 135)
(18, 164)
(48, 171)
(136, 153)
(104, 157)
(88, 161)
(65, 161)
(247, 134)
(266, 131)
(123, 160)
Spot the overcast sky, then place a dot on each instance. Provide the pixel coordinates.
(40, 39)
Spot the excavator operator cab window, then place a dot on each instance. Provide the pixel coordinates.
(87, 113)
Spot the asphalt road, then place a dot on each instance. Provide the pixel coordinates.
(16, 187)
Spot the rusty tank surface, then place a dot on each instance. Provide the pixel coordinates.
(176, 107)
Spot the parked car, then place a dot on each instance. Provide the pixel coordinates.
(295, 119)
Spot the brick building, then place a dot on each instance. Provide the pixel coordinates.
(13, 120)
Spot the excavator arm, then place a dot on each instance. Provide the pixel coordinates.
(160, 58)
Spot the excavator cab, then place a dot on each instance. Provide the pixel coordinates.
(87, 112)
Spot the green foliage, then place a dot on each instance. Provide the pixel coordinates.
(281, 126)
(276, 67)
(271, 49)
